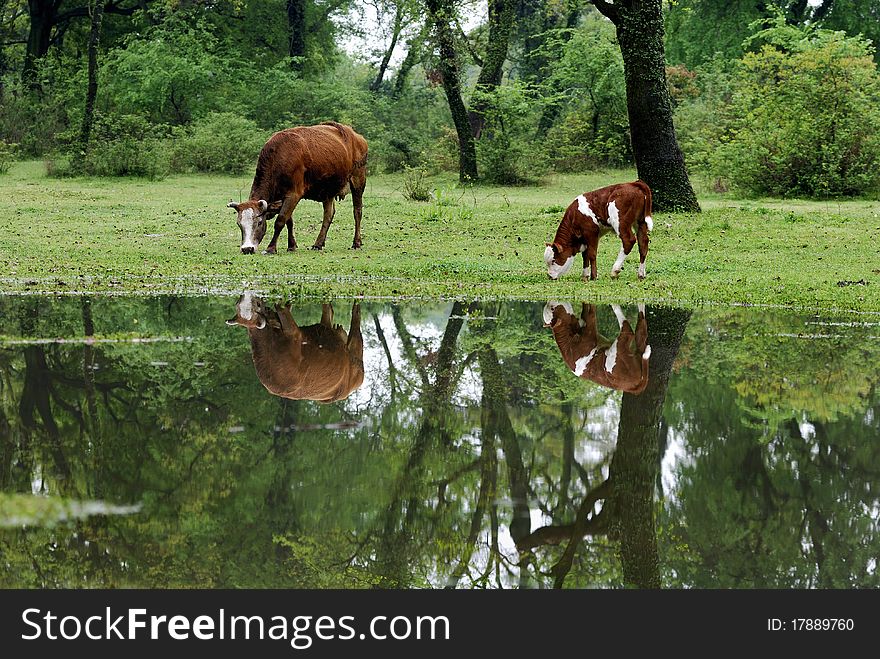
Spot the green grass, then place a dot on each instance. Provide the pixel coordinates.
(134, 236)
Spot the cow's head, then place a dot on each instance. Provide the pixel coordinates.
(250, 312)
(558, 259)
(252, 222)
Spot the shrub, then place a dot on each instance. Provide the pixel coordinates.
(124, 145)
(221, 142)
(415, 188)
(806, 119)
(506, 152)
(7, 156)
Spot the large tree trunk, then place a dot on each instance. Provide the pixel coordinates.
(658, 157)
(42, 18)
(501, 14)
(441, 13)
(97, 10)
(296, 32)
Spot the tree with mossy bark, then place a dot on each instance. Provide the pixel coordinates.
(659, 160)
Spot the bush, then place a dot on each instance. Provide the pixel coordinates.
(586, 89)
(221, 142)
(125, 145)
(506, 153)
(806, 119)
(415, 188)
(7, 156)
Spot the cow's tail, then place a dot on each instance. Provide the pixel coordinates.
(647, 192)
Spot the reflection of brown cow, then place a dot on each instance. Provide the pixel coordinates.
(316, 362)
(589, 355)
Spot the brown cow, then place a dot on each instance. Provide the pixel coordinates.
(623, 207)
(614, 364)
(316, 362)
(321, 163)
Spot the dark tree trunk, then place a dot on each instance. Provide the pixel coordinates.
(97, 10)
(42, 18)
(658, 157)
(633, 470)
(386, 58)
(501, 14)
(296, 32)
(441, 14)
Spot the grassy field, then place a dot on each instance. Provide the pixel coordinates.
(176, 235)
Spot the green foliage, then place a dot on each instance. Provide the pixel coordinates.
(506, 152)
(593, 130)
(121, 145)
(800, 116)
(221, 142)
(7, 155)
(171, 74)
(807, 119)
(415, 188)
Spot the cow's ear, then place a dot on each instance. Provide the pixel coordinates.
(263, 204)
(557, 248)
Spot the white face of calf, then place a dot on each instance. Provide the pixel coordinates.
(252, 222)
(558, 260)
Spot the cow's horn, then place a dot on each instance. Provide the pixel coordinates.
(263, 205)
(231, 204)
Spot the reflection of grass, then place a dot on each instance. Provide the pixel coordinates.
(176, 235)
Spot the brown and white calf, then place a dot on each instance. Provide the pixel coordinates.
(621, 364)
(322, 163)
(623, 208)
(318, 362)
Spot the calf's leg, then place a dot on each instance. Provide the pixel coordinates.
(643, 248)
(628, 241)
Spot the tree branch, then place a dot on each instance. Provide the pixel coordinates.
(608, 10)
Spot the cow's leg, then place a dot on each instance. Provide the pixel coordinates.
(618, 312)
(327, 315)
(329, 212)
(643, 248)
(628, 241)
(355, 340)
(288, 324)
(358, 182)
(285, 218)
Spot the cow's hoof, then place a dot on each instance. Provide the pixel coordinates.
(355, 245)
(270, 250)
(642, 277)
(317, 248)
(615, 274)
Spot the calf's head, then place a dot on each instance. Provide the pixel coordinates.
(251, 218)
(558, 259)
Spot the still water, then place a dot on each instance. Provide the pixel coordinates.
(233, 442)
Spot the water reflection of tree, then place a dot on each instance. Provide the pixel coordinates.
(628, 493)
(473, 428)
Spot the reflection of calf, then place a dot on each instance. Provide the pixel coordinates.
(316, 362)
(590, 356)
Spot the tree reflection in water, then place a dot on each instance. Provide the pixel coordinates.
(469, 456)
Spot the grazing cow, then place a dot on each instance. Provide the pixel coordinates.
(614, 364)
(322, 163)
(623, 208)
(316, 362)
